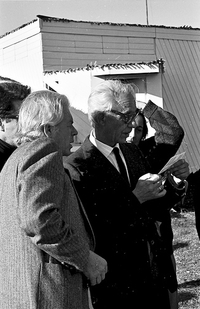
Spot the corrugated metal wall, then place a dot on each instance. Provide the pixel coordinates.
(181, 87)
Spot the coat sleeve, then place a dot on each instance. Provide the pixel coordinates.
(41, 184)
(166, 125)
(159, 148)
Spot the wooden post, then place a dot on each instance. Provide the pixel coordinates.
(147, 17)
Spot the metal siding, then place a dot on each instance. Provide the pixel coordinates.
(178, 34)
(68, 44)
(86, 28)
(91, 43)
(81, 60)
(181, 91)
(124, 44)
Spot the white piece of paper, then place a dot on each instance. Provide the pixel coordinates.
(171, 161)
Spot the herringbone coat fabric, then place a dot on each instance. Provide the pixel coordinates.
(45, 235)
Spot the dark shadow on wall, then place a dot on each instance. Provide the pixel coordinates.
(189, 284)
(184, 296)
(180, 245)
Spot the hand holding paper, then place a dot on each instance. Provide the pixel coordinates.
(171, 161)
(180, 169)
(148, 187)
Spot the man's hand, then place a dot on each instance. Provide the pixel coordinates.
(96, 268)
(149, 187)
(180, 169)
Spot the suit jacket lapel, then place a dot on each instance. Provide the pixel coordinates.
(100, 162)
(82, 209)
(136, 163)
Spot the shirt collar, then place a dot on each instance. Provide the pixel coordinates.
(104, 148)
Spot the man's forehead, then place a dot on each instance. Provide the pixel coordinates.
(67, 113)
(126, 102)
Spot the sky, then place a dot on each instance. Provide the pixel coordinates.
(174, 13)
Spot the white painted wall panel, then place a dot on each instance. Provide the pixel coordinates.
(20, 34)
(23, 61)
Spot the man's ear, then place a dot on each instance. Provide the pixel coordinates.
(100, 118)
(48, 130)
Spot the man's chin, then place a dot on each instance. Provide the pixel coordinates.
(123, 139)
(67, 152)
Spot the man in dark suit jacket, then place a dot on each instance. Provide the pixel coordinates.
(12, 93)
(139, 271)
(46, 240)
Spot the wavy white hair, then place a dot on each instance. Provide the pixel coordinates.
(40, 108)
(106, 96)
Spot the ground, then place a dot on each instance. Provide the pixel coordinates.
(187, 255)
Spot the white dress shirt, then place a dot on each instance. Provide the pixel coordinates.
(107, 151)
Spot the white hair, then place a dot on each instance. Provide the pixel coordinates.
(40, 108)
(106, 96)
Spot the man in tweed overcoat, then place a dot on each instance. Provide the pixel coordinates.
(46, 239)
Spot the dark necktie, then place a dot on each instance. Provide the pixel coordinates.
(120, 163)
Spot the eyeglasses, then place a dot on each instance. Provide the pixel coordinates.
(127, 118)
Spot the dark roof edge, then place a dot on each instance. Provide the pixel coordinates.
(49, 19)
(159, 62)
(22, 26)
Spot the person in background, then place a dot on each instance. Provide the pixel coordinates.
(47, 257)
(193, 188)
(140, 131)
(113, 181)
(12, 93)
(162, 139)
